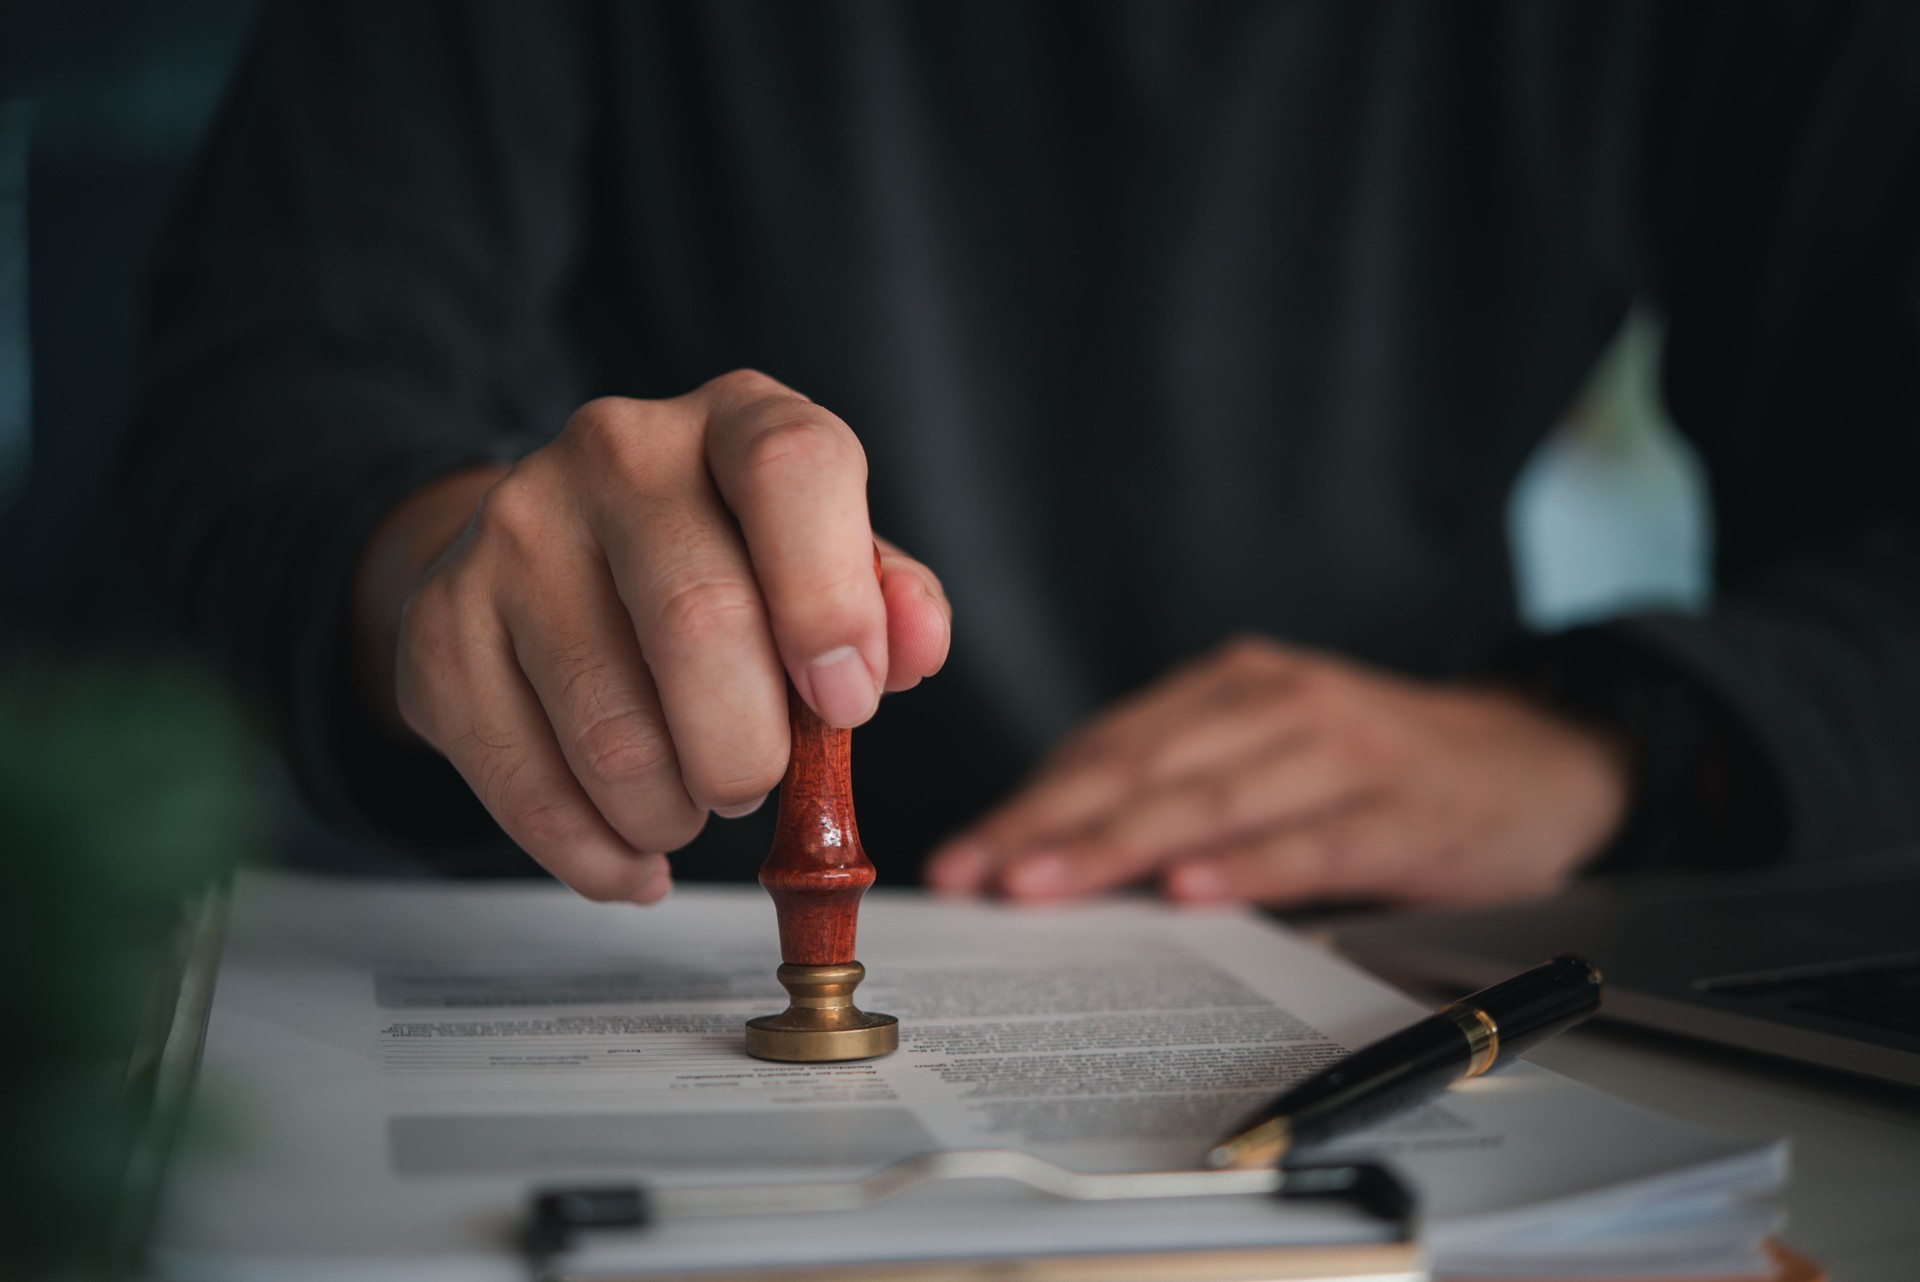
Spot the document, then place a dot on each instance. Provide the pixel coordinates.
(390, 1068)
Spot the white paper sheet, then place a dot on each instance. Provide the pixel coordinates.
(389, 1068)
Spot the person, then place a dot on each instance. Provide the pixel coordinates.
(531, 385)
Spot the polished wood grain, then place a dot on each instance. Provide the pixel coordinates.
(816, 870)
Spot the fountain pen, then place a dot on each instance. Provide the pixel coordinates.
(1464, 1039)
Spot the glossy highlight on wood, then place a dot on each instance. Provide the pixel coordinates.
(816, 871)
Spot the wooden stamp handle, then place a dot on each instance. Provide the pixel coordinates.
(817, 871)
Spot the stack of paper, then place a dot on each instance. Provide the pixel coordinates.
(389, 1069)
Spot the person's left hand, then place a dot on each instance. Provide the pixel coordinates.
(1266, 773)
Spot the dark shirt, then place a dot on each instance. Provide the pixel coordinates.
(1158, 322)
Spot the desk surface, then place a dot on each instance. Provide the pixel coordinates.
(1854, 1198)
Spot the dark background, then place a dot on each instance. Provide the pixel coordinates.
(104, 103)
(128, 776)
(102, 106)
(107, 100)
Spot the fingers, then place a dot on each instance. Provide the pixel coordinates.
(1280, 776)
(502, 745)
(1126, 785)
(1348, 852)
(919, 619)
(604, 653)
(794, 477)
(577, 647)
(1285, 780)
(686, 591)
(690, 600)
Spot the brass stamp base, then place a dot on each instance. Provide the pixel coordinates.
(822, 1024)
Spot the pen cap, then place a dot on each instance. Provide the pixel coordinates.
(1536, 1004)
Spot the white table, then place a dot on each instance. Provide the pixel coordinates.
(1854, 1198)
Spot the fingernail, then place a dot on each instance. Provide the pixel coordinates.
(743, 810)
(959, 867)
(843, 689)
(1197, 881)
(1038, 875)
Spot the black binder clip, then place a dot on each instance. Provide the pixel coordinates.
(1368, 1187)
(559, 1217)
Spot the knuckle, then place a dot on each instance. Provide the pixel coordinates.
(600, 417)
(703, 609)
(608, 435)
(796, 439)
(429, 653)
(622, 747)
(517, 509)
(541, 824)
(746, 383)
(452, 616)
(638, 446)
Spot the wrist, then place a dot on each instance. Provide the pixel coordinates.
(1585, 766)
(1600, 760)
(1698, 790)
(403, 547)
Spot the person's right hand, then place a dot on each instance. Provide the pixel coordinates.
(601, 643)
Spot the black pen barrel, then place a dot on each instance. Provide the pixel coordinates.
(1374, 1081)
(1533, 1006)
(1466, 1039)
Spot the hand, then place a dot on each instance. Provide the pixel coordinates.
(1272, 774)
(599, 638)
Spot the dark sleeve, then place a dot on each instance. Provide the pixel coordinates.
(1780, 216)
(360, 290)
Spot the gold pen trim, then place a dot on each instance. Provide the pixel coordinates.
(1483, 1035)
(1261, 1145)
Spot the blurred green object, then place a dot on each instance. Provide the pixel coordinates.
(126, 785)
